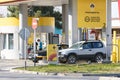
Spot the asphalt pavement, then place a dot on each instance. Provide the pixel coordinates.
(8, 64)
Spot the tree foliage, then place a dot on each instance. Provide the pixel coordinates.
(58, 17)
(13, 11)
(37, 11)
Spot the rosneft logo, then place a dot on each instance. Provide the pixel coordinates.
(92, 6)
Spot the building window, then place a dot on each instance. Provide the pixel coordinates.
(8, 41)
(4, 42)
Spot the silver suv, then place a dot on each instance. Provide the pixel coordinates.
(83, 50)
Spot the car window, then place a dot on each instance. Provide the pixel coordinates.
(77, 45)
(87, 45)
(97, 45)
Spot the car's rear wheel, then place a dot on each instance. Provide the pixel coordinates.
(99, 58)
(72, 59)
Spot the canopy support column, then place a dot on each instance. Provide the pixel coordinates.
(23, 22)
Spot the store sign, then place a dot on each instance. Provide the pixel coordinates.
(91, 35)
(52, 52)
(34, 23)
(91, 13)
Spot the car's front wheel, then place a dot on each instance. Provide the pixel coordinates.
(72, 59)
(99, 58)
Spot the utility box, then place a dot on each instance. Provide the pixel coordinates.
(53, 38)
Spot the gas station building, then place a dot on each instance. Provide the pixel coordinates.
(78, 16)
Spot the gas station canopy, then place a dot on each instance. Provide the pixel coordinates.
(34, 2)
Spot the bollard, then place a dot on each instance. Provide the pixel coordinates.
(113, 57)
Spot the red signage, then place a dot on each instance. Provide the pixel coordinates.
(34, 23)
(119, 8)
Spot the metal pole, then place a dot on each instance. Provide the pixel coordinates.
(34, 45)
(108, 29)
(107, 46)
(25, 52)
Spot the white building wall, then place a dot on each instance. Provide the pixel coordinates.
(10, 53)
(114, 10)
(1, 43)
(115, 15)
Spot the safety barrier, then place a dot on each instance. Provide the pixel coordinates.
(115, 56)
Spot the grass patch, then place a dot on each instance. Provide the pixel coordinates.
(77, 68)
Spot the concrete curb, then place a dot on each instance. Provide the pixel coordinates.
(102, 76)
(28, 72)
(65, 74)
(109, 75)
(42, 73)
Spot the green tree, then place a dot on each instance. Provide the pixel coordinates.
(37, 11)
(47, 11)
(13, 11)
(58, 19)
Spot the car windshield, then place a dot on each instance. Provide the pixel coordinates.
(76, 45)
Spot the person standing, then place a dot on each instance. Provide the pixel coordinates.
(36, 45)
(40, 47)
(40, 44)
